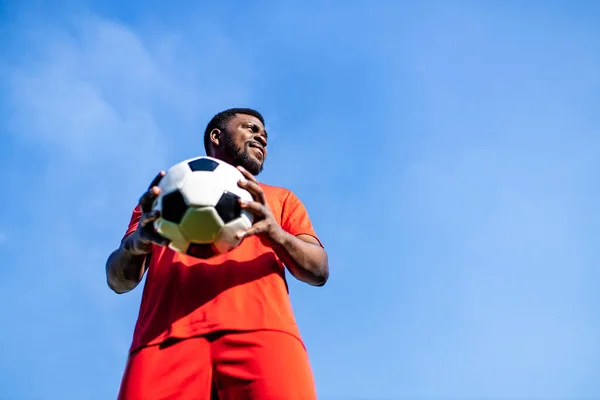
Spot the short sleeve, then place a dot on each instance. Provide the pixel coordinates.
(295, 219)
(134, 221)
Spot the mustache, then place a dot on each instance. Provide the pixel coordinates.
(255, 143)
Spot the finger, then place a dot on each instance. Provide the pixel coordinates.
(148, 198)
(255, 190)
(258, 228)
(254, 207)
(156, 238)
(157, 179)
(149, 217)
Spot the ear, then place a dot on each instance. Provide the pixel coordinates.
(215, 137)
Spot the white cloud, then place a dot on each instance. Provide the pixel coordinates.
(109, 108)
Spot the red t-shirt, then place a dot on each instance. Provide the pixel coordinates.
(244, 289)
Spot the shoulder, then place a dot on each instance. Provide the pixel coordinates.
(281, 200)
(276, 192)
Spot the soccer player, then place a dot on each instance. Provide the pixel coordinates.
(222, 326)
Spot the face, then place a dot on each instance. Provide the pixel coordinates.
(244, 143)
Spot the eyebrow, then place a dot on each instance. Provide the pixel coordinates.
(255, 124)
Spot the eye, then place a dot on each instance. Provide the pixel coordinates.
(254, 128)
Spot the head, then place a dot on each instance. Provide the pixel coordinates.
(237, 136)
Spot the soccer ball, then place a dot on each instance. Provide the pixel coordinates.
(199, 207)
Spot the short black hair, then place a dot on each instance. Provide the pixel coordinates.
(221, 120)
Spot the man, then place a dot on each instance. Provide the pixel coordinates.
(224, 324)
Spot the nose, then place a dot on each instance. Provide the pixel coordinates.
(261, 139)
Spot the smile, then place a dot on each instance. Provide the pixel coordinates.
(259, 149)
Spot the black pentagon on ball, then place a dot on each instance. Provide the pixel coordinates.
(203, 251)
(173, 207)
(229, 207)
(203, 164)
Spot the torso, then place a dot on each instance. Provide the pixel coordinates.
(244, 289)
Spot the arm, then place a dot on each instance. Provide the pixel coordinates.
(126, 265)
(303, 256)
(301, 253)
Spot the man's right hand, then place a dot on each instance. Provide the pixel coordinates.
(141, 240)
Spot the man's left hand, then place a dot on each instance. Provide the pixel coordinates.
(264, 222)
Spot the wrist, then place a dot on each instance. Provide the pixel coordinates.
(279, 237)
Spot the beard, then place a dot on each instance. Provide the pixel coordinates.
(241, 156)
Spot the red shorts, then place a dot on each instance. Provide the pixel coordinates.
(241, 366)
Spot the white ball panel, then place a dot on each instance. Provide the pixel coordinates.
(232, 176)
(243, 193)
(248, 218)
(202, 188)
(227, 240)
(174, 178)
(180, 246)
(171, 232)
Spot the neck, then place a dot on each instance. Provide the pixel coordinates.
(221, 157)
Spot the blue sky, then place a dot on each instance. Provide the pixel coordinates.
(448, 154)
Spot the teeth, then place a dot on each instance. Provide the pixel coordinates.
(256, 147)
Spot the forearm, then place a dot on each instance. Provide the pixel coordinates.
(306, 261)
(125, 266)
